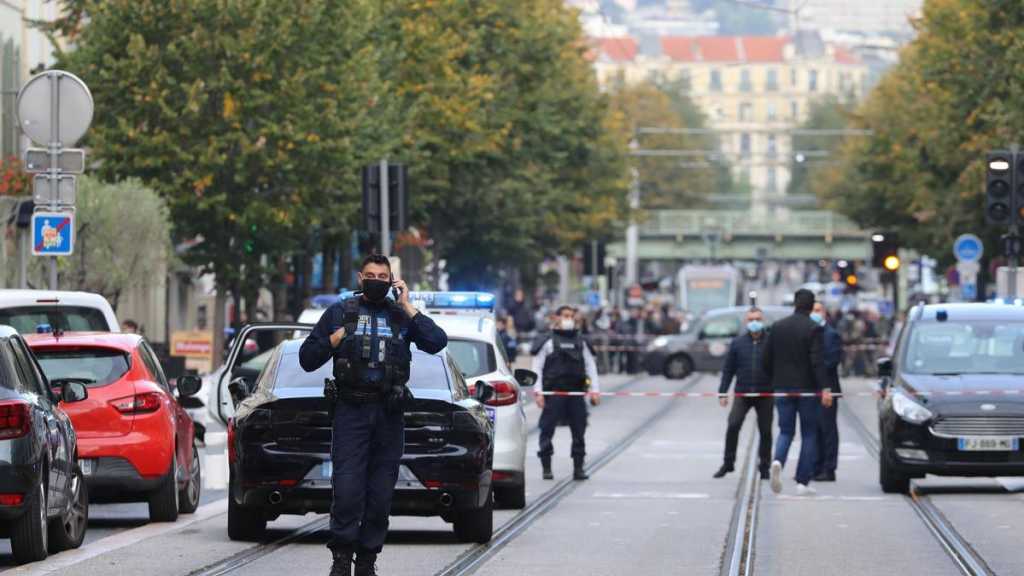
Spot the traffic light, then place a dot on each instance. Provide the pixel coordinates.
(891, 263)
(999, 187)
(848, 274)
(398, 198)
(885, 248)
(1018, 197)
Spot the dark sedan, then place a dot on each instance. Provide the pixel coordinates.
(703, 346)
(280, 437)
(954, 395)
(44, 506)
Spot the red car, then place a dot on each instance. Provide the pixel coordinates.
(135, 441)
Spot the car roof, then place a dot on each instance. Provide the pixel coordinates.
(968, 311)
(466, 326)
(18, 298)
(116, 340)
(7, 331)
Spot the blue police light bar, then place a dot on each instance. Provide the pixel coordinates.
(43, 329)
(454, 301)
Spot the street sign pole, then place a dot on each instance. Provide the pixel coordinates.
(54, 147)
(385, 210)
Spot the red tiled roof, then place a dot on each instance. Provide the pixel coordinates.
(844, 56)
(718, 48)
(619, 49)
(764, 48)
(679, 48)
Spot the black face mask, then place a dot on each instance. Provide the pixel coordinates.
(376, 290)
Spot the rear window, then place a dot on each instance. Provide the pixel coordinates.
(66, 318)
(428, 373)
(96, 366)
(473, 357)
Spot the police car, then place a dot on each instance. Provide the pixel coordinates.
(474, 344)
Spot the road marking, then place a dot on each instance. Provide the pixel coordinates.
(825, 497)
(60, 562)
(1012, 484)
(651, 495)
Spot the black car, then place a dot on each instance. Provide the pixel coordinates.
(279, 441)
(953, 401)
(44, 504)
(703, 346)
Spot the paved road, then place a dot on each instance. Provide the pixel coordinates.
(652, 509)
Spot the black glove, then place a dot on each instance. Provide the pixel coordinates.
(398, 398)
(331, 394)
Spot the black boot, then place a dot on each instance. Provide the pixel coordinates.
(366, 564)
(577, 470)
(342, 563)
(725, 469)
(545, 463)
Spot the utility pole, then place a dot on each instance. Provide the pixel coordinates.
(385, 210)
(633, 231)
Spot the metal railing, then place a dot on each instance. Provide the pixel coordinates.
(746, 223)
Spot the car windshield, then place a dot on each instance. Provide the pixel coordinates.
(66, 318)
(474, 358)
(995, 347)
(428, 373)
(94, 366)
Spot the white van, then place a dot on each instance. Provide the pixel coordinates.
(26, 310)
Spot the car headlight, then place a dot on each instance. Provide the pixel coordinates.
(908, 409)
(659, 342)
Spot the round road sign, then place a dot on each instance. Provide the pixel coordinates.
(74, 107)
(968, 248)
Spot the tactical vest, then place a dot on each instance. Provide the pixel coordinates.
(365, 373)
(564, 368)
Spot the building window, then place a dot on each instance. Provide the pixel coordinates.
(745, 144)
(655, 76)
(773, 180)
(772, 112)
(794, 110)
(793, 77)
(771, 83)
(812, 81)
(745, 84)
(772, 146)
(716, 80)
(746, 112)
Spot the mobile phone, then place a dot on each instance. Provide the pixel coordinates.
(396, 292)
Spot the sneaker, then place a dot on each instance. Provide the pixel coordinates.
(805, 490)
(825, 477)
(765, 475)
(776, 477)
(725, 469)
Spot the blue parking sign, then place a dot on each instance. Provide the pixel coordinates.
(53, 233)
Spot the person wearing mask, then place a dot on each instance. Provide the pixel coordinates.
(743, 361)
(368, 338)
(828, 428)
(565, 363)
(795, 362)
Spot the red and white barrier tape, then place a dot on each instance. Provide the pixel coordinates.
(784, 394)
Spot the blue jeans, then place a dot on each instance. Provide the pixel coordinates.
(809, 410)
(366, 449)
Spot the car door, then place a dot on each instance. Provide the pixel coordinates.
(253, 341)
(713, 338)
(184, 429)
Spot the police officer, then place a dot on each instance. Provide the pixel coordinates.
(828, 428)
(565, 363)
(368, 337)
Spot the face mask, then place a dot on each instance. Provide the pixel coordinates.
(567, 324)
(376, 290)
(817, 319)
(755, 326)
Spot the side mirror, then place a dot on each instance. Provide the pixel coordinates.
(189, 385)
(525, 378)
(885, 367)
(482, 391)
(73, 391)
(239, 389)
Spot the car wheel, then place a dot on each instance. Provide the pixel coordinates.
(892, 481)
(163, 502)
(476, 525)
(244, 524)
(188, 498)
(29, 533)
(678, 367)
(511, 497)
(68, 531)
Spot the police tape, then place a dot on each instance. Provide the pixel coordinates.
(874, 394)
(638, 348)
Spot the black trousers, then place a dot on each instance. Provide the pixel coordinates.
(828, 439)
(572, 409)
(765, 409)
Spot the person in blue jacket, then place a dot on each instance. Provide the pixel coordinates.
(828, 428)
(744, 362)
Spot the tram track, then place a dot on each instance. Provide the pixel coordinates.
(738, 558)
(967, 560)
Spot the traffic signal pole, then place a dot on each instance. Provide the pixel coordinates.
(385, 211)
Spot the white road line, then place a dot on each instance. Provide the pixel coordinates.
(58, 563)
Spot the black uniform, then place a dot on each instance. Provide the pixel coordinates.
(565, 363)
(371, 369)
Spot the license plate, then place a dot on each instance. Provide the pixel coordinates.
(491, 413)
(988, 444)
(87, 466)
(326, 469)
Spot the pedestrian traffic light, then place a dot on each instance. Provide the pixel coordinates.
(999, 187)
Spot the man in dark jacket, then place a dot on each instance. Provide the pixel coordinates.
(744, 363)
(369, 337)
(828, 428)
(795, 363)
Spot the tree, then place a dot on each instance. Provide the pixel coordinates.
(122, 238)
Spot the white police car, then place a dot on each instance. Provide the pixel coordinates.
(473, 341)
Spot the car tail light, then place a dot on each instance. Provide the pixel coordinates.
(11, 499)
(501, 476)
(138, 404)
(15, 419)
(505, 394)
(231, 454)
